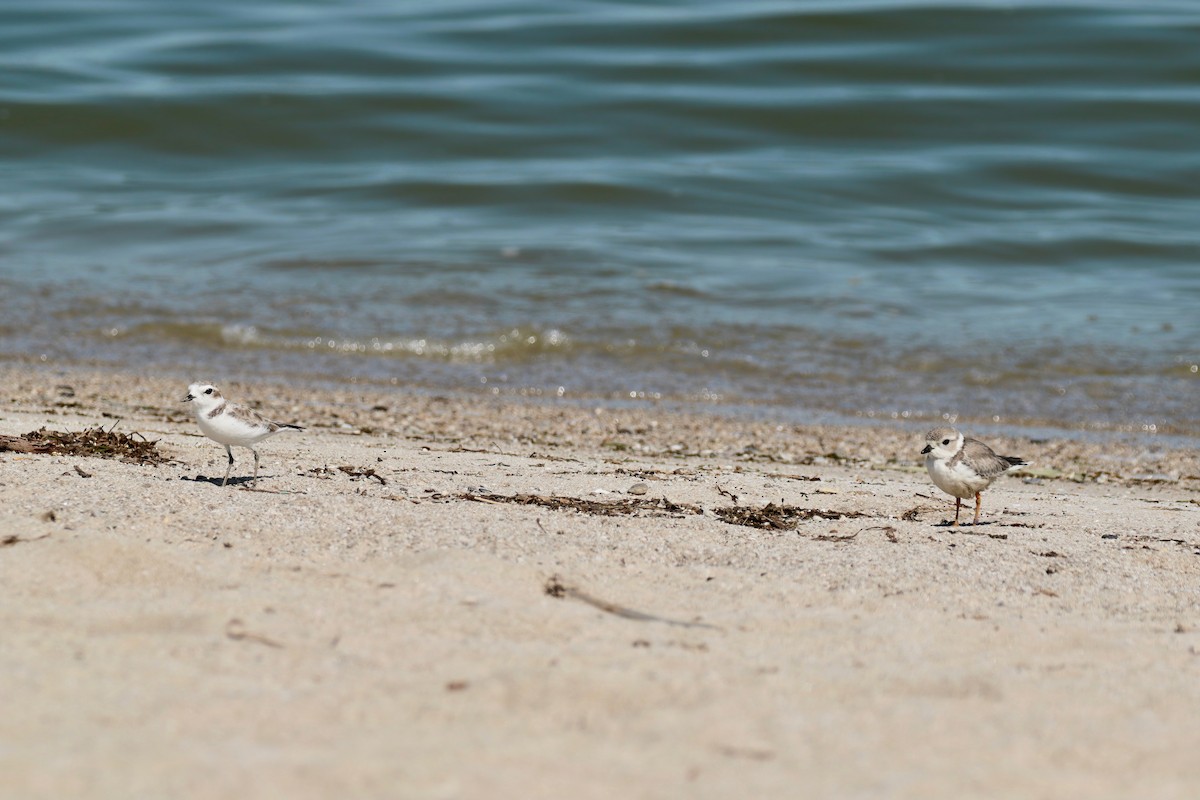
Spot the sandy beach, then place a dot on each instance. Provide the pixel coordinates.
(461, 597)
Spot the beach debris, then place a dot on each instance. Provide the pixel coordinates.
(887, 531)
(364, 472)
(832, 457)
(80, 471)
(94, 442)
(834, 536)
(555, 587)
(645, 474)
(639, 489)
(539, 456)
(914, 513)
(321, 472)
(639, 506)
(778, 517)
(1162, 539)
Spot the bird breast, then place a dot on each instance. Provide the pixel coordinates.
(959, 480)
(228, 429)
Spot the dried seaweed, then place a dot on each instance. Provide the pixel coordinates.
(778, 517)
(770, 517)
(93, 442)
(833, 537)
(640, 506)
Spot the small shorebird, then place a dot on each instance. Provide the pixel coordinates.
(230, 424)
(963, 467)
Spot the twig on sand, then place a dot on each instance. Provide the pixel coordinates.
(556, 588)
(235, 629)
(12, 538)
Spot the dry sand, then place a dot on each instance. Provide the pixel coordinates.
(400, 629)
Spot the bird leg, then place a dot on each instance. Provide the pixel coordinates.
(957, 506)
(229, 453)
(978, 503)
(255, 481)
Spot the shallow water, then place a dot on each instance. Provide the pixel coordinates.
(858, 210)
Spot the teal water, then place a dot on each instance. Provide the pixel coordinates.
(820, 210)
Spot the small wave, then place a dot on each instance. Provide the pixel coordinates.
(512, 346)
(677, 289)
(323, 264)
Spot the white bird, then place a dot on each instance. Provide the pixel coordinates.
(962, 467)
(230, 424)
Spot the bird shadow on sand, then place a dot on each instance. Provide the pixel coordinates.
(966, 526)
(242, 481)
(245, 484)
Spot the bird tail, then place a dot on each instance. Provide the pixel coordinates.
(1015, 462)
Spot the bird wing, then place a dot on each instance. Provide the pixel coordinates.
(246, 414)
(987, 464)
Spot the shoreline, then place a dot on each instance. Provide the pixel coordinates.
(1178, 435)
(605, 426)
(441, 597)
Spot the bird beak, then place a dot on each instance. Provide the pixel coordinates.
(928, 449)
(188, 399)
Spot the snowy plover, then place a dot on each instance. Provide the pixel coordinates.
(230, 424)
(963, 467)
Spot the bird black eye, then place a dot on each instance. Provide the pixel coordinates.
(945, 441)
(209, 391)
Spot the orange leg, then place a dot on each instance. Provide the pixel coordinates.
(978, 503)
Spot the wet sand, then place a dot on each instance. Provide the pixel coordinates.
(423, 597)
